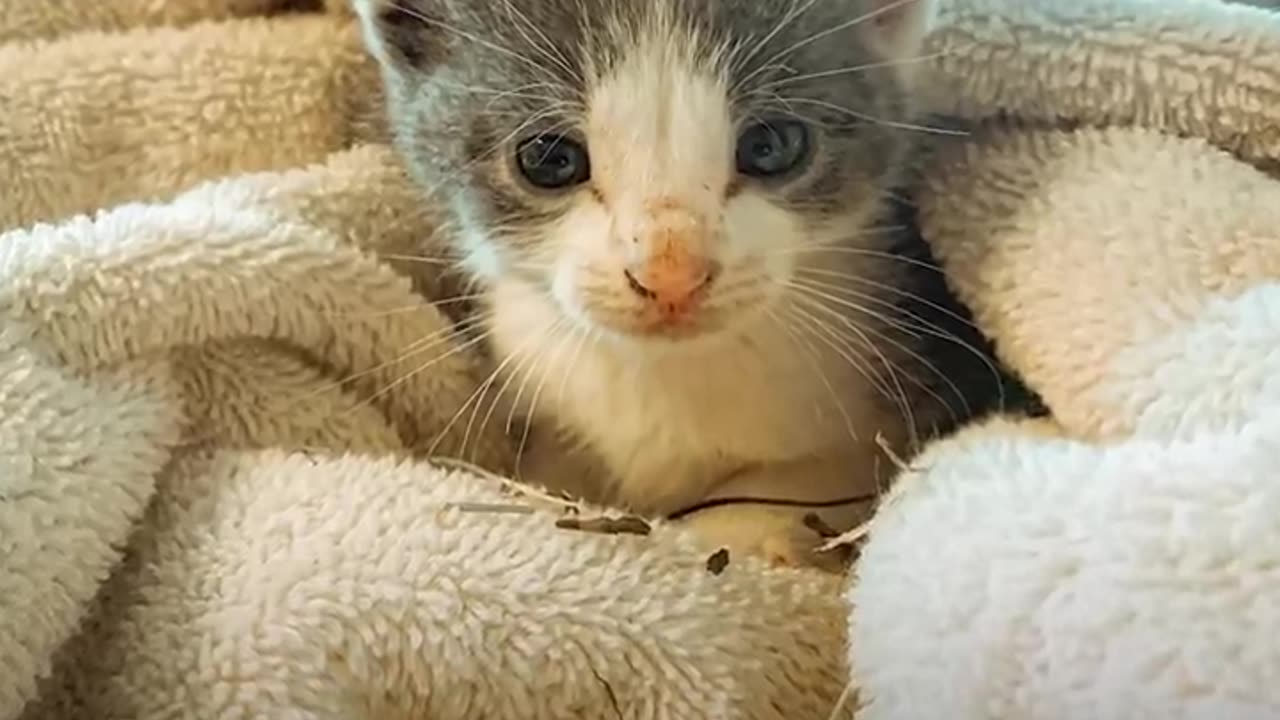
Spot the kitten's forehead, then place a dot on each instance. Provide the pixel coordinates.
(657, 90)
(572, 44)
(659, 124)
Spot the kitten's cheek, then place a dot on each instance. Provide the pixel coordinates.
(781, 273)
(565, 289)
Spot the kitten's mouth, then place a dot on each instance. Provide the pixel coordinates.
(641, 310)
(666, 323)
(679, 327)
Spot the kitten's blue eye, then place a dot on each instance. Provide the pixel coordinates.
(553, 162)
(773, 148)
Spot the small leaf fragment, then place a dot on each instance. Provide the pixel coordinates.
(814, 522)
(625, 525)
(718, 561)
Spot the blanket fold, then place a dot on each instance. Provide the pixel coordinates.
(228, 355)
(33, 20)
(1013, 217)
(187, 104)
(286, 531)
(1199, 68)
(1116, 561)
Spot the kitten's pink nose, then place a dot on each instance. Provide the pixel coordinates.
(674, 286)
(670, 264)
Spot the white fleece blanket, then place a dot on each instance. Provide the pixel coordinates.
(212, 496)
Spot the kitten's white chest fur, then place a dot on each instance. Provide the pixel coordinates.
(672, 424)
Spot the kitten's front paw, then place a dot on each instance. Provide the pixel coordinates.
(779, 535)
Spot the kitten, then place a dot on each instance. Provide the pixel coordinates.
(675, 209)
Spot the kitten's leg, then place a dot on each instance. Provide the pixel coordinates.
(785, 535)
(778, 535)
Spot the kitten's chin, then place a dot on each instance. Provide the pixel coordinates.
(615, 312)
(666, 334)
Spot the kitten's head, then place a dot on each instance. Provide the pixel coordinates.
(652, 168)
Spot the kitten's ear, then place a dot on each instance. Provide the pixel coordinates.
(897, 28)
(404, 34)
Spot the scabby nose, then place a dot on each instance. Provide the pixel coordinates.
(670, 263)
(675, 287)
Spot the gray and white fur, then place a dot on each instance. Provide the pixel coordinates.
(676, 211)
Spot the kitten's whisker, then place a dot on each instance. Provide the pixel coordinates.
(892, 289)
(902, 347)
(422, 259)
(484, 90)
(811, 354)
(896, 124)
(421, 216)
(383, 392)
(546, 47)
(868, 16)
(404, 309)
(774, 69)
(521, 92)
(441, 25)
(421, 345)
(826, 291)
(850, 355)
(537, 394)
(851, 70)
(824, 243)
(932, 329)
(521, 357)
(473, 401)
(551, 333)
(798, 10)
(285, 405)
(773, 102)
(818, 248)
(584, 332)
(912, 321)
(889, 389)
(482, 391)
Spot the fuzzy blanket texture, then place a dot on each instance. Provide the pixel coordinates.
(214, 499)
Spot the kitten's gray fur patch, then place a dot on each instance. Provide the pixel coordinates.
(463, 75)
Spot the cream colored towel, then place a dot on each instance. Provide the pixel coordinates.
(212, 502)
(200, 519)
(27, 20)
(1123, 560)
(92, 120)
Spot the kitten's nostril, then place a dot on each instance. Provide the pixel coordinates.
(637, 286)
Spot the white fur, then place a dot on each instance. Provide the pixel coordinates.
(671, 423)
(659, 127)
